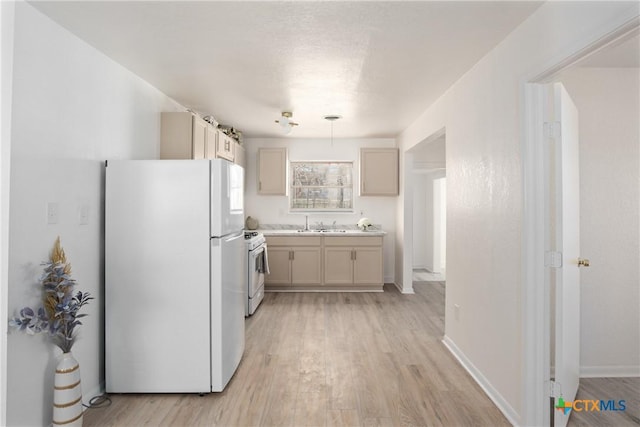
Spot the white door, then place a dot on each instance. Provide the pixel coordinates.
(566, 212)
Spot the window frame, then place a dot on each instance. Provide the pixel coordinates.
(291, 188)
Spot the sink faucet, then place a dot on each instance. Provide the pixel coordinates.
(306, 223)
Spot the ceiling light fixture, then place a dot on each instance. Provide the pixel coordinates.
(332, 118)
(285, 122)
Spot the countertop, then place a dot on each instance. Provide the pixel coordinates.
(340, 232)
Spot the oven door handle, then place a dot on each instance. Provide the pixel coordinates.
(258, 258)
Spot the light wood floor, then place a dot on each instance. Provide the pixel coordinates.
(325, 359)
(627, 389)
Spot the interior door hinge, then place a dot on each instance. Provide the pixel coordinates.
(553, 259)
(551, 129)
(555, 389)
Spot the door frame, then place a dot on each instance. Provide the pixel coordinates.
(408, 179)
(535, 298)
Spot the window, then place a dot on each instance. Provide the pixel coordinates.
(321, 186)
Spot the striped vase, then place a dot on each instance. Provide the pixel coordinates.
(67, 393)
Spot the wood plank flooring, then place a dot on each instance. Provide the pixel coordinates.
(330, 359)
(616, 389)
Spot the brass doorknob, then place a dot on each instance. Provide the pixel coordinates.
(583, 262)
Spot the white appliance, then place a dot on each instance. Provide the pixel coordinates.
(175, 265)
(257, 266)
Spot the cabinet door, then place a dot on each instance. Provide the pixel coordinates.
(379, 172)
(279, 267)
(306, 268)
(338, 266)
(239, 156)
(210, 142)
(199, 138)
(272, 171)
(367, 265)
(224, 148)
(176, 135)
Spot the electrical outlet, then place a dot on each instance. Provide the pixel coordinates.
(52, 213)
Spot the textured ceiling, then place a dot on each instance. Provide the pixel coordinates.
(377, 64)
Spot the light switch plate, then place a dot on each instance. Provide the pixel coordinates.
(52, 213)
(83, 214)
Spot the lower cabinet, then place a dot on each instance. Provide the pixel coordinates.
(353, 261)
(338, 266)
(325, 263)
(294, 261)
(279, 266)
(306, 266)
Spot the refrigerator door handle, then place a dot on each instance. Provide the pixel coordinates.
(232, 238)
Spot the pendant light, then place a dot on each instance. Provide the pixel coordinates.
(332, 118)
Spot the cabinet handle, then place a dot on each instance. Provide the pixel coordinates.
(293, 255)
(259, 185)
(355, 255)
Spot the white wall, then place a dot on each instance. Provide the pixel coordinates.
(274, 209)
(609, 108)
(422, 221)
(439, 225)
(72, 109)
(483, 116)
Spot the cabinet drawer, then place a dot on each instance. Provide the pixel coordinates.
(353, 241)
(293, 241)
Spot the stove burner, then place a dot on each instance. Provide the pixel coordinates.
(250, 234)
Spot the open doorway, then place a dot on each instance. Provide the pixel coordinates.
(428, 176)
(605, 85)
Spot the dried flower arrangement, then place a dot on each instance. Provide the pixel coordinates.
(59, 314)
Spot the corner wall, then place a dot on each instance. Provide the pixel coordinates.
(72, 109)
(483, 114)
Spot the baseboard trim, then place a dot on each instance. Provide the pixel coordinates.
(403, 291)
(609, 371)
(504, 407)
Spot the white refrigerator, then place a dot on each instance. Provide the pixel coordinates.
(175, 266)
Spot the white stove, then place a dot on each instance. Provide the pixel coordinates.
(253, 239)
(257, 266)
